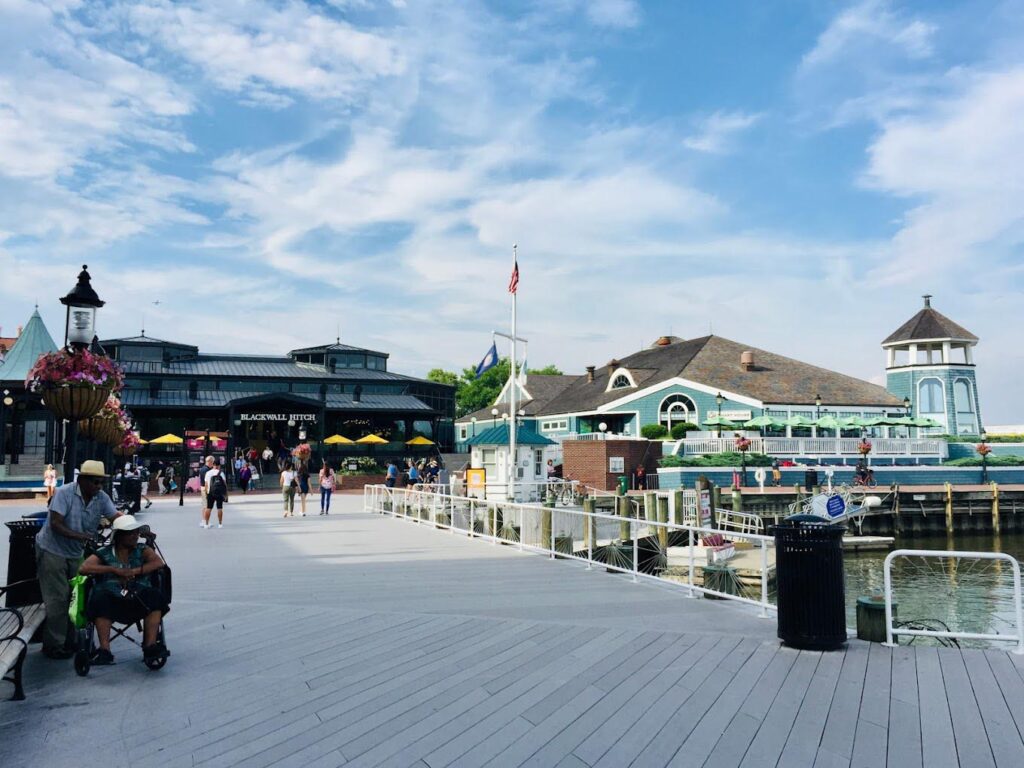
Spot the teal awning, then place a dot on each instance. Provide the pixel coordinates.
(499, 436)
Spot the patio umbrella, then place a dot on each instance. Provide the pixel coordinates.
(372, 440)
(338, 440)
(924, 421)
(419, 440)
(764, 421)
(718, 421)
(799, 421)
(903, 421)
(828, 421)
(873, 421)
(169, 439)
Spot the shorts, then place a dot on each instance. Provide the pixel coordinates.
(125, 609)
(214, 503)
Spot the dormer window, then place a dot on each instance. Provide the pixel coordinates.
(620, 379)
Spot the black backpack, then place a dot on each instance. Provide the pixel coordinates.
(218, 488)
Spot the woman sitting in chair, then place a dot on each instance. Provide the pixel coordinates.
(122, 590)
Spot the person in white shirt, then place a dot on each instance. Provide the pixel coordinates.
(288, 485)
(216, 494)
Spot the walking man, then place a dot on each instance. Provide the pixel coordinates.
(204, 522)
(74, 519)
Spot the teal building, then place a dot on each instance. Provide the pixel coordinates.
(930, 361)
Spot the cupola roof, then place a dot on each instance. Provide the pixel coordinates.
(929, 324)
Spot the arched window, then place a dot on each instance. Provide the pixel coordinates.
(676, 409)
(621, 382)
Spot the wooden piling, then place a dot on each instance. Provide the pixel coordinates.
(949, 509)
(677, 505)
(737, 500)
(662, 513)
(897, 527)
(995, 508)
(622, 510)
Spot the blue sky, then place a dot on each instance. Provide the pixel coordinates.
(793, 175)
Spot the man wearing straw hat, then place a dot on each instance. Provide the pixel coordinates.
(74, 519)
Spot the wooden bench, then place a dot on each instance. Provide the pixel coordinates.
(17, 625)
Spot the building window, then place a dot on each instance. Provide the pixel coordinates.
(676, 409)
(554, 426)
(538, 462)
(462, 433)
(965, 411)
(929, 397)
(621, 382)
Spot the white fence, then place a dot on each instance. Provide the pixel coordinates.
(953, 582)
(889, 447)
(669, 552)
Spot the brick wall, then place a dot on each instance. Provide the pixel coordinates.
(587, 460)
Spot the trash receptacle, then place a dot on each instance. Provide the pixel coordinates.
(21, 560)
(809, 579)
(810, 480)
(623, 485)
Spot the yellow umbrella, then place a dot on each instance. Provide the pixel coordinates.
(337, 440)
(143, 442)
(169, 439)
(372, 440)
(419, 440)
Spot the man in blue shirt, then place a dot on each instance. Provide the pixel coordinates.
(392, 475)
(74, 519)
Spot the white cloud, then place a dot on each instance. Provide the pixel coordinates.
(717, 131)
(266, 50)
(866, 24)
(613, 13)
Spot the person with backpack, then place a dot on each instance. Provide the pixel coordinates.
(216, 494)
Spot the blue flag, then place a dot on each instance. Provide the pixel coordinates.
(490, 360)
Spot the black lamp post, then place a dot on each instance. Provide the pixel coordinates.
(817, 412)
(718, 401)
(473, 422)
(79, 331)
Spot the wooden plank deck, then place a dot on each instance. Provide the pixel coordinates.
(357, 640)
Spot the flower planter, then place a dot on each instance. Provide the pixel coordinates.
(106, 430)
(75, 403)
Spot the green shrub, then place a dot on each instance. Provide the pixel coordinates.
(726, 459)
(654, 431)
(679, 430)
(993, 461)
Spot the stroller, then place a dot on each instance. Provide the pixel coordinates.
(86, 636)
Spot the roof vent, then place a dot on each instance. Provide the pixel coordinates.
(590, 374)
(927, 301)
(747, 360)
(663, 341)
(357, 393)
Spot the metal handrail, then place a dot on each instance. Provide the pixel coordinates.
(891, 631)
(418, 502)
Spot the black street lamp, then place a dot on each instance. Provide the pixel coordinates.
(718, 401)
(817, 406)
(473, 422)
(79, 331)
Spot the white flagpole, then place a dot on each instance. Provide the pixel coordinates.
(513, 415)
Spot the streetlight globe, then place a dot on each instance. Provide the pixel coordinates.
(603, 427)
(494, 412)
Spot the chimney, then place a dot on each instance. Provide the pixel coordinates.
(357, 393)
(590, 374)
(747, 360)
(664, 341)
(612, 365)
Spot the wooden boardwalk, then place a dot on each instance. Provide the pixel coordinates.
(356, 640)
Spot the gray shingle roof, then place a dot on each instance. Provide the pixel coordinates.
(715, 362)
(335, 348)
(544, 388)
(929, 324)
(227, 366)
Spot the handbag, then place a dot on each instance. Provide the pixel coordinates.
(173, 486)
(76, 608)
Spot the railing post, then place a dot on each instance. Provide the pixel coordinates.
(887, 582)
(692, 564)
(589, 530)
(764, 579)
(522, 526)
(636, 553)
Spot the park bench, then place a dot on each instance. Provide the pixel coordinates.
(17, 625)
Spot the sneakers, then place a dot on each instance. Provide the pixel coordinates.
(220, 525)
(203, 524)
(102, 658)
(149, 504)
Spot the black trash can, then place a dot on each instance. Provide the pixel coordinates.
(131, 491)
(810, 480)
(21, 560)
(809, 579)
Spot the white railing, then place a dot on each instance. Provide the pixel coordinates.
(893, 631)
(526, 490)
(667, 552)
(738, 522)
(817, 446)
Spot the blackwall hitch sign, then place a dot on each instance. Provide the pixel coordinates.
(277, 416)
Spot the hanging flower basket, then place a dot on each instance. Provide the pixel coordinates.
(864, 447)
(129, 444)
(742, 444)
(73, 403)
(102, 430)
(302, 452)
(983, 449)
(74, 384)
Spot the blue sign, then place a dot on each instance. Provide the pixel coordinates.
(835, 506)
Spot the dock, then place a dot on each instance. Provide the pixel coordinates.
(361, 640)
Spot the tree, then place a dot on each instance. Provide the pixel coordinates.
(476, 393)
(442, 376)
(547, 370)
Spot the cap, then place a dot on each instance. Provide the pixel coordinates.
(126, 523)
(93, 468)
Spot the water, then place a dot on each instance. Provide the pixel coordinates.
(967, 596)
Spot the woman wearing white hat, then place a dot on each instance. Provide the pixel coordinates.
(122, 591)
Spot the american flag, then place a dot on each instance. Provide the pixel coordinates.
(513, 283)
